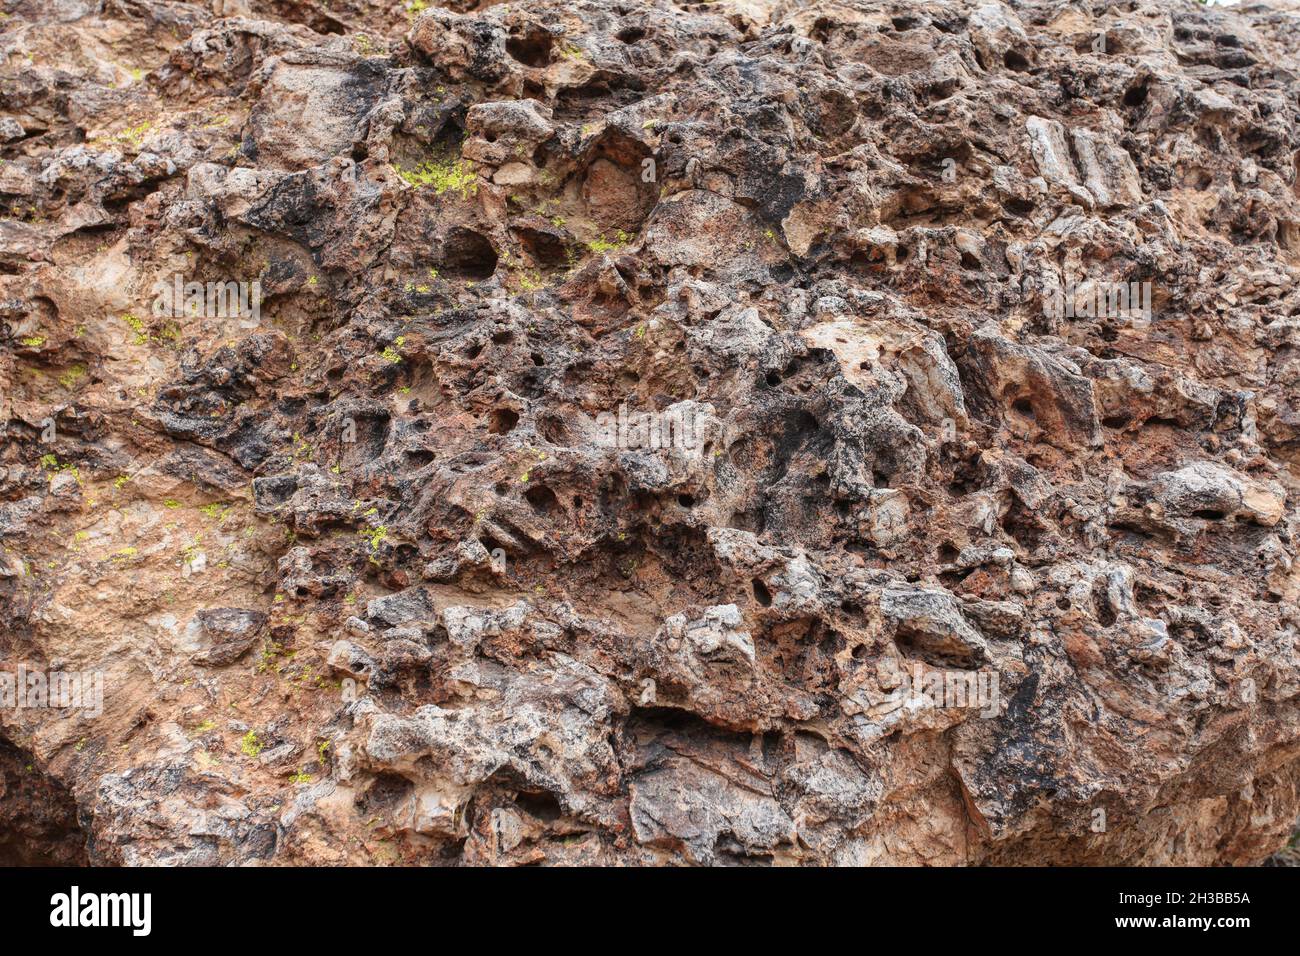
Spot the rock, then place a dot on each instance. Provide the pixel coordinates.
(931, 624)
(651, 434)
(312, 107)
(1206, 491)
(1107, 171)
(1034, 388)
(506, 129)
(412, 604)
(229, 632)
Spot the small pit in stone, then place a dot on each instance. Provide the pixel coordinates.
(542, 499)
(38, 816)
(545, 250)
(467, 254)
(502, 420)
(1015, 60)
(531, 46)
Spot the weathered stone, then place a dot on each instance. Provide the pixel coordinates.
(651, 433)
(228, 632)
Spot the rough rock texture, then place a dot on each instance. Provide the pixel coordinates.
(367, 584)
(38, 818)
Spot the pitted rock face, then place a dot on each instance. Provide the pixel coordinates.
(659, 433)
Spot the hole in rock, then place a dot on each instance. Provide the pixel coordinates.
(1015, 60)
(468, 255)
(502, 420)
(545, 250)
(38, 816)
(531, 48)
(386, 793)
(1136, 95)
(541, 805)
(554, 430)
(542, 499)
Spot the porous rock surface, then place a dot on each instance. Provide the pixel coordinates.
(364, 581)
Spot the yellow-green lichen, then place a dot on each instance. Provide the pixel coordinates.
(250, 745)
(375, 536)
(444, 176)
(72, 376)
(133, 136)
(136, 325)
(602, 244)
